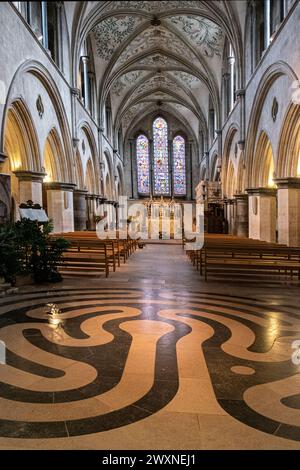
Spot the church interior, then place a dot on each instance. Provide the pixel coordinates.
(150, 225)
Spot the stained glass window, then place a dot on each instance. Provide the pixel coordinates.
(160, 154)
(142, 158)
(179, 173)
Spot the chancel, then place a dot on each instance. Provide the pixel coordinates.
(150, 225)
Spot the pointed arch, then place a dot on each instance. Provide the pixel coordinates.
(263, 165)
(54, 159)
(288, 161)
(90, 183)
(40, 72)
(20, 140)
(79, 177)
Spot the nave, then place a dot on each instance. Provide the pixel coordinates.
(151, 358)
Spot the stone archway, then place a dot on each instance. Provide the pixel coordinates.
(21, 160)
(288, 179)
(262, 192)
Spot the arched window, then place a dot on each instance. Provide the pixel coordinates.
(179, 172)
(160, 155)
(142, 158)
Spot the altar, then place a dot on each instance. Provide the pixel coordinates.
(163, 218)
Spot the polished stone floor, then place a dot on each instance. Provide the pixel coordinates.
(151, 358)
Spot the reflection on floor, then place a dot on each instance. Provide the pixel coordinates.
(151, 358)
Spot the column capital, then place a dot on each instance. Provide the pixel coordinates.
(241, 144)
(75, 142)
(34, 176)
(59, 186)
(262, 191)
(85, 59)
(287, 183)
(75, 91)
(80, 192)
(3, 157)
(241, 196)
(240, 92)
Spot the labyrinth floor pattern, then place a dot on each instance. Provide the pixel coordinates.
(123, 355)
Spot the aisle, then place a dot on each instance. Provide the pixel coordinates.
(150, 358)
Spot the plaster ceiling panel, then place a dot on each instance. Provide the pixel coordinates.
(111, 32)
(158, 81)
(205, 36)
(187, 80)
(187, 114)
(122, 84)
(156, 37)
(158, 96)
(130, 115)
(152, 6)
(158, 60)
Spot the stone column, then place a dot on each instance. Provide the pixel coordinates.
(85, 61)
(45, 25)
(231, 62)
(3, 158)
(231, 211)
(241, 215)
(288, 197)
(267, 23)
(225, 207)
(30, 186)
(60, 205)
(79, 209)
(91, 211)
(262, 214)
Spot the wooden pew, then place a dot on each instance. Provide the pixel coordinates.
(225, 255)
(89, 255)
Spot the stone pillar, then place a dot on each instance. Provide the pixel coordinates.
(241, 215)
(60, 205)
(45, 25)
(231, 62)
(30, 186)
(267, 23)
(231, 211)
(226, 223)
(85, 61)
(79, 209)
(3, 158)
(91, 211)
(288, 197)
(262, 214)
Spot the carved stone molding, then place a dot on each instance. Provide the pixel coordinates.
(287, 183)
(34, 176)
(261, 191)
(60, 186)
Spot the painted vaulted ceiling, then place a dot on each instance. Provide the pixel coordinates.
(158, 53)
